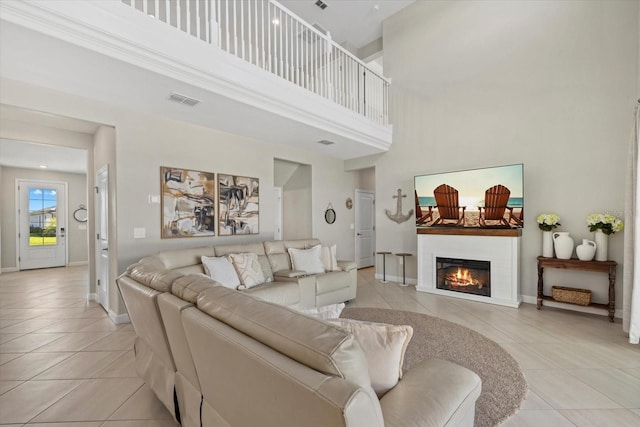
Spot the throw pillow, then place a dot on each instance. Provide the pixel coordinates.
(384, 347)
(248, 268)
(221, 270)
(328, 256)
(307, 260)
(326, 312)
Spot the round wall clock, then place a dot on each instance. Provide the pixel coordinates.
(330, 215)
(349, 203)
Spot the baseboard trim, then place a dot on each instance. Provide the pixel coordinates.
(396, 279)
(573, 307)
(119, 318)
(10, 269)
(77, 263)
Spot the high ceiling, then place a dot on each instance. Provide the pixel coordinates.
(355, 22)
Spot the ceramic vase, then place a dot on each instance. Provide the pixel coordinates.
(547, 244)
(563, 244)
(602, 243)
(586, 250)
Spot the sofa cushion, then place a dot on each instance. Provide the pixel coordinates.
(221, 270)
(328, 256)
(282, 293)
(256, 248)
(384, 347)
(153, 275)
(189, 287)
(248, 269)
(307, 260)
(312, 342)
(183, 257)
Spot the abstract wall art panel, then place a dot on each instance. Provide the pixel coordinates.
(188, 203)
(239, 205)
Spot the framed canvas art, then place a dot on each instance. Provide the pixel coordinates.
(239, 205)
(188, 203)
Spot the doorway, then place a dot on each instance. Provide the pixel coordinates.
(42, 224)
(295, 180)
(365, 228)
(102, 237)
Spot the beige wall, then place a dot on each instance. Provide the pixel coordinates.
(145, 142)
(548, 84)
(77, 195)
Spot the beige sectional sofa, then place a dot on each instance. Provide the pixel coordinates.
(284, 285)
(220, 357)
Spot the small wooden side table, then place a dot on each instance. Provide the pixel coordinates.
(384, 265)
(403, 255)
(575, 264)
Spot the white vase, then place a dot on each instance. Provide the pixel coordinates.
(602, 246)
(563, 244)
(547, 244)
(586, 250)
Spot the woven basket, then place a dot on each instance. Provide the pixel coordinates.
(571, 295)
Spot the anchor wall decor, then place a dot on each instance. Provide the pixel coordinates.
(399, 216)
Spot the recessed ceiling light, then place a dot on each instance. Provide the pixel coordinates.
(43, 166)
(326, 142)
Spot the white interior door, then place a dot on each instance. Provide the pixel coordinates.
(42, 209)
(365, 228)
(102, 237)
(277, 216)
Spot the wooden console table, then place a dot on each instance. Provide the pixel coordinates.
(576, 264)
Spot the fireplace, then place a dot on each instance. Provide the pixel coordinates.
(502, 252)
(464, 275)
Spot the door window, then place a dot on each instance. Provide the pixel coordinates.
(43, 221)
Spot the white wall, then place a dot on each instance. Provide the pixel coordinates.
(548, 84)
(145, 142)
(297, 195)
(77, 195)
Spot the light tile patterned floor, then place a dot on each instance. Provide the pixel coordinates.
(63, 363)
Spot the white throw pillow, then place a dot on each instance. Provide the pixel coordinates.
(384, 347)
(248, 268)
(328, 256)
(331, 311)
(221, 270)
(307, 260)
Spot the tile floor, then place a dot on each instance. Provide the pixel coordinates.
(63, 363)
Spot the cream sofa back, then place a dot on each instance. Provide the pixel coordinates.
(289, 369)
(256, 248)
(278, 254)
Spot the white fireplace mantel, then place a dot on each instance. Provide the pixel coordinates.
(503, 252)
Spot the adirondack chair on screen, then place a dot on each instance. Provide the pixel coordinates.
(448, 206)
(421, 216)
(495, 205)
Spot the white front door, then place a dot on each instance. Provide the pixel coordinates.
(42, 210)
(365, 228)
(102, 237)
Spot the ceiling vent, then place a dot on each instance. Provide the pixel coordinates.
(322, 5)
(182, 99)
(326, 142)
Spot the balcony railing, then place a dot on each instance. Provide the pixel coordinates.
(266, 34)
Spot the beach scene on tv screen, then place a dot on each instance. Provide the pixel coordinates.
(489, 197)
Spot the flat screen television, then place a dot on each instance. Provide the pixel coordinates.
(491, 197)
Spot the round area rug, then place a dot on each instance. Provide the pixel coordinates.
(503, 384)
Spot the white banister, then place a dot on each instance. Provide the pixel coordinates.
(266, 34)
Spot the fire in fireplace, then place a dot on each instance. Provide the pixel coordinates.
(463, 275)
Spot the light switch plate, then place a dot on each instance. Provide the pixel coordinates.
(153, 199)
(139, 233)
